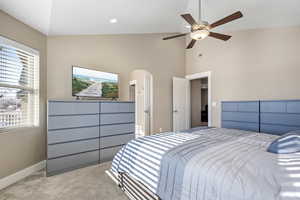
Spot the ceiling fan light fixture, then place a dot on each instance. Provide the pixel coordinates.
(113, 21)
(201, 30)
(199, 34)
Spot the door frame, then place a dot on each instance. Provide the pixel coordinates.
(199, 76)
(134, 82)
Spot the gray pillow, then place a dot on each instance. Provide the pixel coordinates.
(288, 143)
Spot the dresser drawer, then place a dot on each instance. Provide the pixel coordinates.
(117, 107)
(109, 153)
(72, 148)
(115, 140)
(67, 135)
(72, 162)
(116, 118)
(72, 108)
(117, 129)
(63, 122)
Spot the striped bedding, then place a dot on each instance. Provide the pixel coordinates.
(212, 164)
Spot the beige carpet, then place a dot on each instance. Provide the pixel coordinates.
(88, 183)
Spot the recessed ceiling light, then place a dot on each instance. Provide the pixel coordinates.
(187, 26)
(113, 21)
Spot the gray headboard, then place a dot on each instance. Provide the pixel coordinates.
(273, 117)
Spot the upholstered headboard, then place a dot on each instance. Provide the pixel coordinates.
(273, 117)
(242, 115)
(279, 117)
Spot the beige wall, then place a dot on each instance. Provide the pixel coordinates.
(254, 64)
(119, 54)
(22, 148)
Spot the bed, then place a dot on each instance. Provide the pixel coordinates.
(229, 163)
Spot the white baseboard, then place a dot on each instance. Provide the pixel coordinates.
(11, 179)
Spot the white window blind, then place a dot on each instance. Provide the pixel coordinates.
(19, 85)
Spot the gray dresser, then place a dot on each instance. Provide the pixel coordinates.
(82, 133)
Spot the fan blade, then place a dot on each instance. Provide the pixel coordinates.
(219, 36)
(175, 36)
(189, 19)
(192, 43)
(227, 19)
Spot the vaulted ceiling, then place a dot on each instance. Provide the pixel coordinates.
(77, 17)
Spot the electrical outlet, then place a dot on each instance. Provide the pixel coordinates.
(160, 130)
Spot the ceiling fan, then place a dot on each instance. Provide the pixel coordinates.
(201, 30)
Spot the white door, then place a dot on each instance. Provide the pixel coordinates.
(147, 103)
(142, 81)
(181, 104)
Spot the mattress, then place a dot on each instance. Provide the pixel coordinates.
(209, 164)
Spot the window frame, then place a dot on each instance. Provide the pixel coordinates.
(35, 90)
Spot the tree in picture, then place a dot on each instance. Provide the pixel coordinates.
(79, 85)
(109, 90)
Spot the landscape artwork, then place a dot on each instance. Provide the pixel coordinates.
(91, 83)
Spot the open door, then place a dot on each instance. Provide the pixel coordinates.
(148, 103)
(141, 89)
(181, 104)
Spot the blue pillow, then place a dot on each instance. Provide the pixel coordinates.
(288, 143)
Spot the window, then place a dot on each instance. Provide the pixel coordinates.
(19, 85)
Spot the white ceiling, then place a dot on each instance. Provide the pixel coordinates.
(74, 17)
(35, 13)
(257, 13)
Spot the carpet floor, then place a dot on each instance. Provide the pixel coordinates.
(88, 183)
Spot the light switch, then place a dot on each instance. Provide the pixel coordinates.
(214, 104)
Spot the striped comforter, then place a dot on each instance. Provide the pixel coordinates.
(212, 164)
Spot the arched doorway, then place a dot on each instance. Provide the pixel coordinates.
(141, 91)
